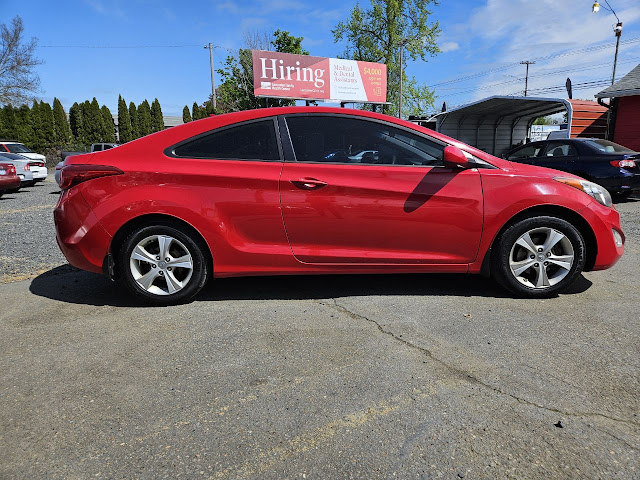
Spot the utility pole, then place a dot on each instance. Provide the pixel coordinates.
(213, 82)
(526, 78)
(401, 75)
(618, 32)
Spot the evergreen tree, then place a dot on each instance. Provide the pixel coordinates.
(75, 123)
(24, 129)
(108, 127)
(92, 121)
(48, 133)
(133, 116)
(144, 118)
(186, 114)
(9, 123)
(195, 111)
(37, 140)
(124, 121)
(61, 125)
(157, 120)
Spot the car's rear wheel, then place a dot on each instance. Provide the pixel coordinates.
(539, 256)
(162, 264)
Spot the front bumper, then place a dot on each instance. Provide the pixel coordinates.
(604, 220)
(80, 236)
(626, 182)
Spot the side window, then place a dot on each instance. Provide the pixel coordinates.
(97, 148)
(561, 150)
(249, 141)
(525, 152)
(334, 139)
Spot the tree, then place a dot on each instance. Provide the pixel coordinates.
(144, 118)
(18, 81)
(124, 121)
(283, 41)
(157, 120)
(376, 34)
(47, 127)
(76, 123)
(24, 129)
(236, 89)
(37, 139)
(108, 127)
(186, 115)
(195, 111)
(542, 121)
(93, 126)
(133, 116)
(8, 123)
(61, 126)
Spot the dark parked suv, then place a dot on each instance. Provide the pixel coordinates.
(613, 166)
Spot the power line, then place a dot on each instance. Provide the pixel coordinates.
(548, 57)
(121, 46)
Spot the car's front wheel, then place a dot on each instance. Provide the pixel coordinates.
(162, 264)
(539, 256)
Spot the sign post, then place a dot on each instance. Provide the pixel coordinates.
(303, 77)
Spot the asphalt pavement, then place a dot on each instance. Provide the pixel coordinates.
(390, 376)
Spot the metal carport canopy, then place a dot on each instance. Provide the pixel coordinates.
(497, 123)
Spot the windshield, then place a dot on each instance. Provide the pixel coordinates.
(17, 148)
(605, 146)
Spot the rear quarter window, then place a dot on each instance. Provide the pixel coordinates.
(250, 141)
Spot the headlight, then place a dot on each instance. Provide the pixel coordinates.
(599, 193)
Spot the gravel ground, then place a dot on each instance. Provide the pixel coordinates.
(27, 237)
(415, 376)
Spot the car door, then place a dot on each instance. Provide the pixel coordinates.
(558, 155)
(397, 204)
(234, 171)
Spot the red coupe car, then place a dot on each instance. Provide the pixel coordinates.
(309, 190)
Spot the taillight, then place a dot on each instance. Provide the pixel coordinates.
(623, 163)
(11, 169)
(72, 175)
(27, 168)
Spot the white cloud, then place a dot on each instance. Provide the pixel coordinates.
(449, 47)
(505, 32)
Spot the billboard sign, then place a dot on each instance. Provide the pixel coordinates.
(286, 75)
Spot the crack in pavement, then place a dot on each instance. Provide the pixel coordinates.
(469, 377)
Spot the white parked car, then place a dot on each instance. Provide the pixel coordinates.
(37, 166)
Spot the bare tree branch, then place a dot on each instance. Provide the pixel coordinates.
(18, 81)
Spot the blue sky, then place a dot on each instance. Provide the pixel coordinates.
(483, 40)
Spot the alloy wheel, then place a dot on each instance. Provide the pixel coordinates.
(541, 258)
(161, 265)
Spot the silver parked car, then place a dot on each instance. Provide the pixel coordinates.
(22, 167)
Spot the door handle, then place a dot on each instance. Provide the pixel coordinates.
(309, 183)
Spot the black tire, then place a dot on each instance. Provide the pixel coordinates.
(505, 248)
(198, 277)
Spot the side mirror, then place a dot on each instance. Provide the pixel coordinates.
(455, 158)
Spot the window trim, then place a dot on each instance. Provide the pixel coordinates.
(366, 119)
(170, 151)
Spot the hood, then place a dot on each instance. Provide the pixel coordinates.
(535, 171)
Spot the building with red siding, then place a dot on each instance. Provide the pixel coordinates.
(624, 98)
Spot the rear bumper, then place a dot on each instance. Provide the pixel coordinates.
(80, 236)
(9, 183)
(39, 173)
(604, 221)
